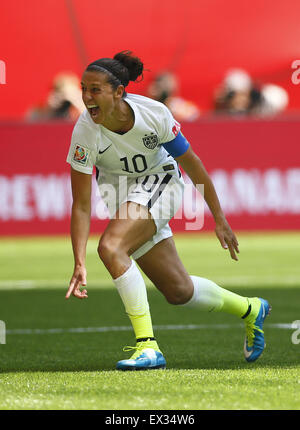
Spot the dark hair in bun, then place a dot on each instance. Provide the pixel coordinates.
(121, 69)
(133, 64)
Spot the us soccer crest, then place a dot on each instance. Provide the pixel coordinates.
(150, 141)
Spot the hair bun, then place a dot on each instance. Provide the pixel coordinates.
(133, 64)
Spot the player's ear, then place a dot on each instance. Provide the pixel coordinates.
(120, 91)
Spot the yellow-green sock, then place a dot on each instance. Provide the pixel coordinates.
(210, 297)
(132, 290)
(142, 325)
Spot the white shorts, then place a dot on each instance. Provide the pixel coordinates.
(161, 193)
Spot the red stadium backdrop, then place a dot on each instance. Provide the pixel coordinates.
(254, 165)
(199, 40)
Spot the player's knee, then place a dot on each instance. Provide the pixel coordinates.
(108, 249)
(178, 296)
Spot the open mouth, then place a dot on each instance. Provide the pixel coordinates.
(93, 110)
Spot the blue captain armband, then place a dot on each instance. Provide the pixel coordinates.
(177, 146)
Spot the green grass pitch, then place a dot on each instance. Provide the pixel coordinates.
(61, 354)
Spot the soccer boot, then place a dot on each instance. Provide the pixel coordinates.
(255, 342)
(147, 356)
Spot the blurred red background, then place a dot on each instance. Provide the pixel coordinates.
(254, 161)
(258, 186)
(198, 40)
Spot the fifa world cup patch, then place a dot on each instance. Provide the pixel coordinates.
(81, 155)
(150, 141)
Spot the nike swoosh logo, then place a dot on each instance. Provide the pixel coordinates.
(246, 352)
(101, 152)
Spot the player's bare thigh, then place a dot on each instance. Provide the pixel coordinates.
(164, 268)
(126, 232)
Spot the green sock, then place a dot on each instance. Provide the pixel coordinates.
(132, 290)
(210, 297)
(234, 304)
(142, 325)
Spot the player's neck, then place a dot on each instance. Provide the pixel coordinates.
(123, 119)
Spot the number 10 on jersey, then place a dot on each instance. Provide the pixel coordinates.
(138, 163)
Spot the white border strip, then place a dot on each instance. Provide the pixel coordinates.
(31, 331)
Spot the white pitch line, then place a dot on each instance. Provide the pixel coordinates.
(23, 283)
(31, 331)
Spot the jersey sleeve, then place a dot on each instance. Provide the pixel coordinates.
(172, 138)
(83, 149)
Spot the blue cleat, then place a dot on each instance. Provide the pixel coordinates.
(255, 341)
(144, 358)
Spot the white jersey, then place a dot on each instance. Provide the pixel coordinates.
(133, 166)
(136, 153)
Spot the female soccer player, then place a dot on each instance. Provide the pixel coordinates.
(135, 145)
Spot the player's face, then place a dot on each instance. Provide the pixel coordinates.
(99, 96)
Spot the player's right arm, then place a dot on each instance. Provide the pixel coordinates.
(80, 227)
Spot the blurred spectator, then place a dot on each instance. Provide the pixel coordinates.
(275, 99)
(239, 95)
(164, 88)
(63, 102)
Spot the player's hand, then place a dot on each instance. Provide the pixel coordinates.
(227, 238)
(77, 281)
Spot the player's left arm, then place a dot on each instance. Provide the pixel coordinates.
(195, 169)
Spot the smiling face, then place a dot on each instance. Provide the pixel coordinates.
(99, 97)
